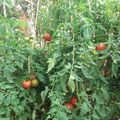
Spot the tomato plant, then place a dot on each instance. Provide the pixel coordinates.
(79, 67)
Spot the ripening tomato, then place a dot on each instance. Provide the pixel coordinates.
(100, 47)
(73, 100)
(69, 105)
(47, 37)
(26, 84)
(34, 82)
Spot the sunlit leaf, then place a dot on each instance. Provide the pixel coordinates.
(51, 64)
(71, 84)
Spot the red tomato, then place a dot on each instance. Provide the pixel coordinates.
(100, 47)
(73, 100)
(69, 106)
(47, 37)
(26, 84)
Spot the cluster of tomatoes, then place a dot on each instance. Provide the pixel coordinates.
(26, 84)
(72, 103)
(101, 46)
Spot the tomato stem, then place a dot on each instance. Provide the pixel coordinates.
(29, 64)
(73, 57)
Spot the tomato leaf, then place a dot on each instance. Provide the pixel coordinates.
(84, 107)
(51, 64)
(63, 115)
(34, 115)
(105, 93)
(114, 69)
(71, 85)
(8, 70)
(95, 116)
(44, 93)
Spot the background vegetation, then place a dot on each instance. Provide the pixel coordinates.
(67, 66)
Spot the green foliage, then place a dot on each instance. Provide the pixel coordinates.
(67, 66)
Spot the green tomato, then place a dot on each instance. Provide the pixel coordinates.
(34, 82)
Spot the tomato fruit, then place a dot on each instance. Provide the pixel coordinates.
(34, 82)
(47, 37)
(100, 47)
(26, 84)
(73, 100)
(69, 105)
